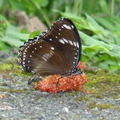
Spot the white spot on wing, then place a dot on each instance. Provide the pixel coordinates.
(58, 33)
(77, 45)
(72, 26)
(76, 53)
(47, 56)
(66, 26)
(24, 56)
(44, 58)
(74, 43)
(28, 61)
(50, 39)
(70, 42)
(65, 40)
(75, 58)
(62, 41)
(52, 48)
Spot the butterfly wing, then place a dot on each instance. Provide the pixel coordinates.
(56, 51)
(39, 56)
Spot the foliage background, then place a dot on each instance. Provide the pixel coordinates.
(98, 22)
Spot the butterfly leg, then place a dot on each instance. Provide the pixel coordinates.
(34, 78)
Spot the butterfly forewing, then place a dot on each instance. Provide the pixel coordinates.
(56, 51)
(65, 33)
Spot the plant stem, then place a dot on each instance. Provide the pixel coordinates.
(112, 7)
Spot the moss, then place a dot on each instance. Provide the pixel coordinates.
(6, 66)
(104, 106)
(91, 104)
(82, 98)
(22, 74)
(99, 96)
(32, 89)
(103, 83)
(70, 93)
(37, 98)
(11, 60)
(57, 96)
(3, 84)
(14, 90)
(117, 108)
(107, 106)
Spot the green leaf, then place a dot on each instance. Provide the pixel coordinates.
(13, 36)
(93, 24)
(44, 3)
(4, 47)
(115, 52)
(104, 6)
(107, 23)
(103, 57)
(95, 43)
(33, 34)
(1, 3)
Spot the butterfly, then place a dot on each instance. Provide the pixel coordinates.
(55, 52)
